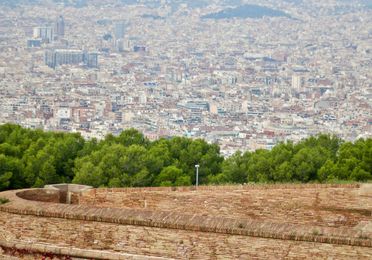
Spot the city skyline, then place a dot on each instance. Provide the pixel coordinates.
(169, 68)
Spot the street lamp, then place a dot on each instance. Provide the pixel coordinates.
(197, 175)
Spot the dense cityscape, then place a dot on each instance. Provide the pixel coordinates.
(234, 73)
(185, 129)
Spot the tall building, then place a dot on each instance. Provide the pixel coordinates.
(119, 30)
(60, 26)
(57, 57)
(91, 59)
(296, 82)
(31, 43)
(45, 33)
(119, 44)
(123, 45)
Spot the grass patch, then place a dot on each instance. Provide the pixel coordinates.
(3, 200)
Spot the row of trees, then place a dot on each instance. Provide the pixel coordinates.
(322, 158)
(33, 158)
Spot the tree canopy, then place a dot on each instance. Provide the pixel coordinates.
(33, 158)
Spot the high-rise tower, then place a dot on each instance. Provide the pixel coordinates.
(60, 26)
(44, 33)
(119, 30)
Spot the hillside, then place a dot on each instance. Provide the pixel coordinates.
(246, 11)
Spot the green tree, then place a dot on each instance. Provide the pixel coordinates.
(218, 179)
(234, 169)
(329, 171)
(88, 174)
(359, 174)
(132, 137)
(158, 156)
(284, 172)
(307, 161)
(183, 181)
(259, 168)
(5, 180)
(10, 168)
(170, 175)
(48, 174)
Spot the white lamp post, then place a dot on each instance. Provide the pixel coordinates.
(197, 175)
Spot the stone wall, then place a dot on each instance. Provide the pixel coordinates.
(193, 230)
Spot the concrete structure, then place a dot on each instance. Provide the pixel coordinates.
(230, 222)
(55, 58)
(66, 191)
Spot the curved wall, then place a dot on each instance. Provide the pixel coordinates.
(41, 195)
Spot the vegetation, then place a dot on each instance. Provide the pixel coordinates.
(3, 200)
(33, 158)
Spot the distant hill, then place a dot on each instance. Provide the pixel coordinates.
(174, 3)
(246, 11)
(14, 3)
